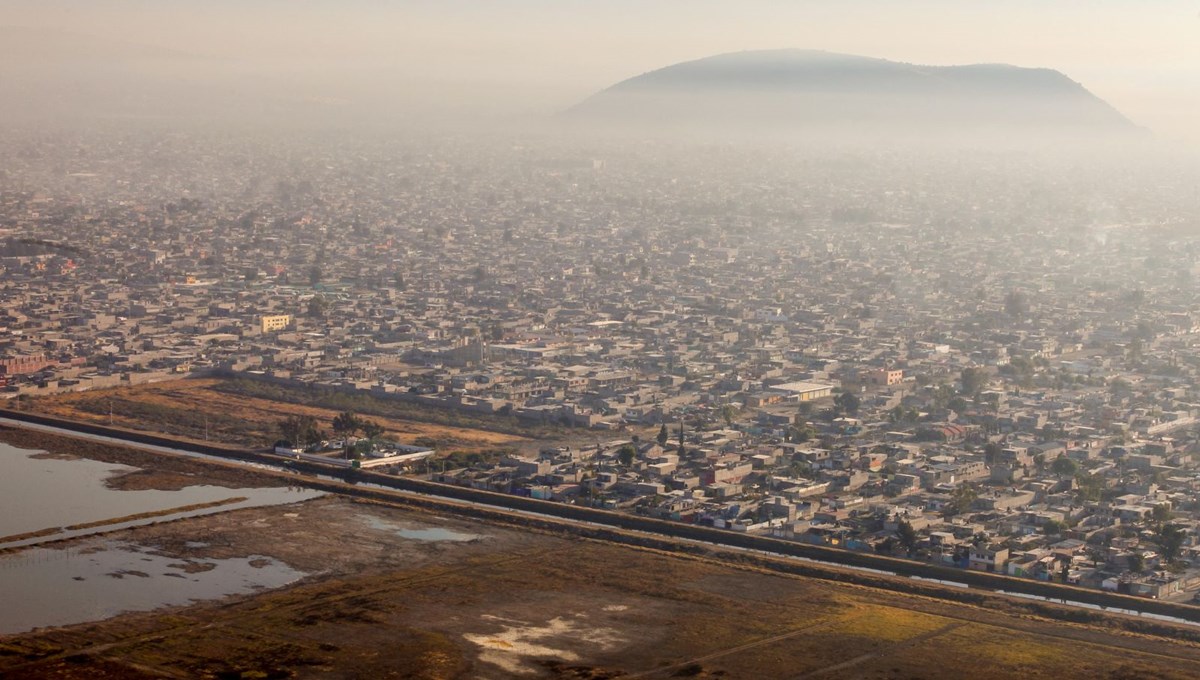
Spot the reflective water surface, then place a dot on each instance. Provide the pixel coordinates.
(433, 534)
(99, 578)
(54, 587)
(39, 493)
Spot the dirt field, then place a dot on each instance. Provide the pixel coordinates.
(399, 592)
(504, 602)
(188, 407)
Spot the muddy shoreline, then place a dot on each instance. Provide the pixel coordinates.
(544, 598)
(157, 471)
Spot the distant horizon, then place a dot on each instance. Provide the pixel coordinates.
(536, 56)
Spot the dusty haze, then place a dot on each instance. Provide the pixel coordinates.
(474, 60)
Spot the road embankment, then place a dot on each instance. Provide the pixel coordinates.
(843, 565)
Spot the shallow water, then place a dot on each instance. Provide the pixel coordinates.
(43, 493)
(432, 534)
(100, 579)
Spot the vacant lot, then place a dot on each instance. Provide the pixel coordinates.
(407, 593)
(209, 408)
(388, 598)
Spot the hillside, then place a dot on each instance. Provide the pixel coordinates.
(822, 90)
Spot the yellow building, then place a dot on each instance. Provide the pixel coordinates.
(276, 322)
(804, 391)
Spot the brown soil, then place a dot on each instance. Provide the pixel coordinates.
(139, 480)
(31, 534)
(49, 455)
(156, 513)
(180, 407)
(157, 471)
(522, 602)
(193, 567)
(519, 603)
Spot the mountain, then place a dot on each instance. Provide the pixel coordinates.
(825, 92)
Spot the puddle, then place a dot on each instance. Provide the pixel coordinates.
(430, 534)
(40, 493)
(48, 587)
(435, 535)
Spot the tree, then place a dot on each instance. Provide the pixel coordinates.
(1064, 467)
(1053, 527)
(371, 433)
(847, 403)
(1052, 431)
(973, 380)
(960, 500)
(907, 535)
(663, 435)
(1015, 303)
(801, 433)
(346, 424)
(371, 429)
(626, 454)
(1021, 368)
(300, 430)
(318, 306)
(992, 452)
(1170, 539)
(942, 396)
(1136, 562)
(728, 413)
(1161, 513)
(1090, 487)
(315, 274)
(1134, 349)
(290, 429)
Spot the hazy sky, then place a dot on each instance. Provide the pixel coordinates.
(1142, 56)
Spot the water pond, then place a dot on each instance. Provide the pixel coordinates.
(40, 493)
(100, 579)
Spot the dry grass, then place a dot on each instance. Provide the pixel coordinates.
(186, 407)
(1002, 649)
(886, 623)
(551, 606)
(156, 513)
(555, 608)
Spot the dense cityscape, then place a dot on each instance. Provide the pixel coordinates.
(983, 360)
(467, 340)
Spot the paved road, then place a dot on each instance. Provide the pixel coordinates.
(449, 501)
